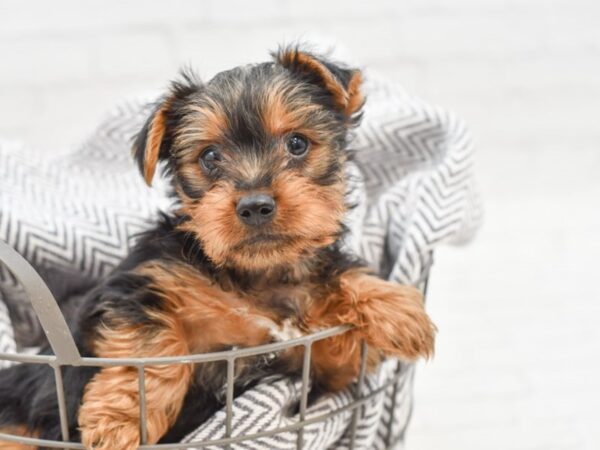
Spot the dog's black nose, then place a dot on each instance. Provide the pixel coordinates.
(256, 209)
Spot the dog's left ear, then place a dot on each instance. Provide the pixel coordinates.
(342, 83)
(153, 142)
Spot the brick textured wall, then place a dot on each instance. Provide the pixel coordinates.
(518, 311)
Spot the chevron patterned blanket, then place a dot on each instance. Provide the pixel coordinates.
(413, 183)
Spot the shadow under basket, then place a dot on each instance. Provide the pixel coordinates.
(67, 354)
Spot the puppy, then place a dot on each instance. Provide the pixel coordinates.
(250, 254)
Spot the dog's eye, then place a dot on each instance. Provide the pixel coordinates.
(209, 158)
(297, 145)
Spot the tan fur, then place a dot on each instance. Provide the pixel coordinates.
(214, 221)
(282, 115)
(17, 431)
(308, 217)
(347, 100)
(210, 317)
(282, 112)
(203, 124)
(308, 212)
(202, 127)
(109, 414)
(154, 140)
(319, 159)
(390, 317)
(355, 97)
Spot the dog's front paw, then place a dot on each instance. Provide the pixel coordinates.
(394, 319)
(109, 414)
(106, 433)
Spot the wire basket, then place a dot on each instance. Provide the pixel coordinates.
(67, 354)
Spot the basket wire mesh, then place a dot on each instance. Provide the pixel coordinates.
(67, 354)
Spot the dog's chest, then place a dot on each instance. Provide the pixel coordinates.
(215, 319)
(286, 307)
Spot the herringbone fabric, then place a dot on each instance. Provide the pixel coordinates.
(412, 181)
(7, 340)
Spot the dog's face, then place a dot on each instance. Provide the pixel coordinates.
(256, 156)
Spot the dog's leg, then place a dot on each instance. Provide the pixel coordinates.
(390, 317)
(109, 417)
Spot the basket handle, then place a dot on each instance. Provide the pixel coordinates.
(53, 322)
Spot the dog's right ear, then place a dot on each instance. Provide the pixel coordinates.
(154, 140)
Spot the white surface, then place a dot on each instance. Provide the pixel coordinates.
(518, 310)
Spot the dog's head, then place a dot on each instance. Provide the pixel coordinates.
(256, 157)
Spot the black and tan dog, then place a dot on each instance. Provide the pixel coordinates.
(250, 254)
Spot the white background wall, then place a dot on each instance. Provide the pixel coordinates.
(518, 311)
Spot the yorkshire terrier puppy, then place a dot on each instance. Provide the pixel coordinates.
(250, 254)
